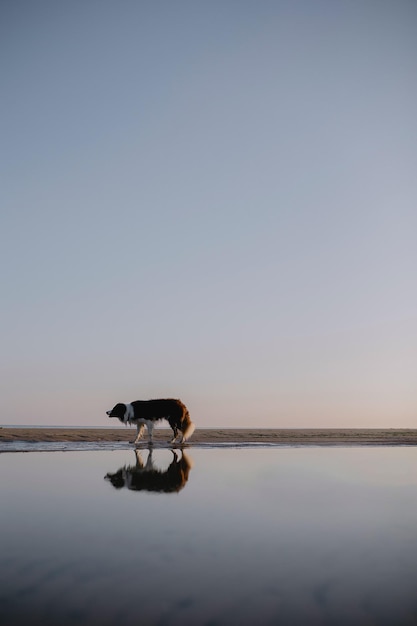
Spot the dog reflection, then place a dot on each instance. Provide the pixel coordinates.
(147, 477)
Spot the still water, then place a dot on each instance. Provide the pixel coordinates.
(256, 536)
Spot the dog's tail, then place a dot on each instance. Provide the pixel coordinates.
(187, 426)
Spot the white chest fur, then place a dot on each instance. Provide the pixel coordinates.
(129, 413)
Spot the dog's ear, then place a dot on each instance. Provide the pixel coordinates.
(117, 411)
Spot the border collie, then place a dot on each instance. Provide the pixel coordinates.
(141, 412)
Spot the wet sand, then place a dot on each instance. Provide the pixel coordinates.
(310, 436)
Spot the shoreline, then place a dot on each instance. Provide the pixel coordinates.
(296, 436)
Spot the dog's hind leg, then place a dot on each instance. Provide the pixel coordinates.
(175, 431)
(174, 425)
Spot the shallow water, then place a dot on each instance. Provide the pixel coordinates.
(220, 536)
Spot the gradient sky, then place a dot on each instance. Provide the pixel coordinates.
(215, 201)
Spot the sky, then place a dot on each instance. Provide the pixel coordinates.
(209, 200)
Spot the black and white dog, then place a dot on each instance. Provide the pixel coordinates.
(147, 412)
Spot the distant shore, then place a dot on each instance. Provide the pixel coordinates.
(302, 436)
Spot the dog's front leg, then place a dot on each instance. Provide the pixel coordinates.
(139, 433)
(149, 426)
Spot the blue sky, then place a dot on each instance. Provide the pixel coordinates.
(214, 201)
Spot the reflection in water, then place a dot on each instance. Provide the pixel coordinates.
(147, 477)
(297, 536)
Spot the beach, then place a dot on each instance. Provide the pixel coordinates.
(311, 436)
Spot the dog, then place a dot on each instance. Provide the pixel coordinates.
(147, 412)
(147, 477)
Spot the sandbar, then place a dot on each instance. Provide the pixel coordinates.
(232, 436)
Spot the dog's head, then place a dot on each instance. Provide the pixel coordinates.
(117, 411)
